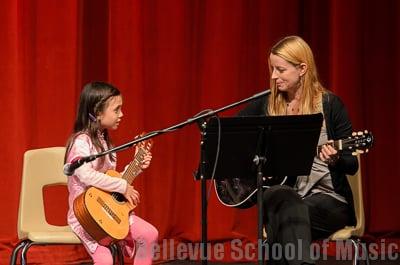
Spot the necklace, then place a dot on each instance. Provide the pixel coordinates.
(292, 109)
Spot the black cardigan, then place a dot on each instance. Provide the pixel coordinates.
(338, 126)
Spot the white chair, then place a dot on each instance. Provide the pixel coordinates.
(354, 233)
(42, 167)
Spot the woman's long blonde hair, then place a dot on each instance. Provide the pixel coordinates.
(296, 51)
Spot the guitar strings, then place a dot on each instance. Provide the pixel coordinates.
(132, 169)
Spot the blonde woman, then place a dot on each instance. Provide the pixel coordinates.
(320, 203)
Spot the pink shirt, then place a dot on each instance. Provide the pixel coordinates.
(89, 174)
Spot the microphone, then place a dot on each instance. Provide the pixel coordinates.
(69, 168)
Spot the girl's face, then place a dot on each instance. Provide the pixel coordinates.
(286, 75)
(112, 113)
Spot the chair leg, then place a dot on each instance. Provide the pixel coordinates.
(365, 250)
(26, 244)
(117, 254)
(356, 251)
(14, 256)
(358, 245)
(24, 251)
(113, 251)
(120, 255)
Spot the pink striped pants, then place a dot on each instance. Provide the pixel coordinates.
(141, 237)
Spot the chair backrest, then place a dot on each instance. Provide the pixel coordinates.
(355, 182)
(41, 167)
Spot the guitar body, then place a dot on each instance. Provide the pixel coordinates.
(241, 192)
(104, 215)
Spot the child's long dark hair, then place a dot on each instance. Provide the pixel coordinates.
(91, 102)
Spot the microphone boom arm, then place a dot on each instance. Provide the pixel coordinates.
(198, 117)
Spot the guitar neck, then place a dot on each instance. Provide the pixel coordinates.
(357, 143)
(338, 145)
(134, 168)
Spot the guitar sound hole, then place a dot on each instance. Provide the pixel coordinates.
(119, 197)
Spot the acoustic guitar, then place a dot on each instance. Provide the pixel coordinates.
(240, 192)
(104, 215)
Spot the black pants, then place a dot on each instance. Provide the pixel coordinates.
(295, 222)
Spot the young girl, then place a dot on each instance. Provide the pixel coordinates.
(99, 110)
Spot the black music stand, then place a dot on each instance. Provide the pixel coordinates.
(253, 147)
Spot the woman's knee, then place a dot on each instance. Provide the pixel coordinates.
(281, 193)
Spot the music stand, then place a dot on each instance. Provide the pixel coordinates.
(253, 147)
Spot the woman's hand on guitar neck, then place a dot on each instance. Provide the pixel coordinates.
(329, 154)
(132, 195)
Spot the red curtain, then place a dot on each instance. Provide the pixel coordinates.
(172, 59)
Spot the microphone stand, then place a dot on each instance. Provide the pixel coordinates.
(200, 119)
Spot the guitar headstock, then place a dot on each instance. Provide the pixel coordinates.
(359, 142)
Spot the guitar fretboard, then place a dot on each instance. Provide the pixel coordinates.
(358, 142)
(336, 144)
(134, 168)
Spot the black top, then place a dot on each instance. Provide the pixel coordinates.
(338, 126)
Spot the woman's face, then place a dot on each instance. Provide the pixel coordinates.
(286, 75)
(111, 116)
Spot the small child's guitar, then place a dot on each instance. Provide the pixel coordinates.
(104, 215)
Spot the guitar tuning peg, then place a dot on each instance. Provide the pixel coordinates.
(360, 133)
(353, 134)
(366, 131)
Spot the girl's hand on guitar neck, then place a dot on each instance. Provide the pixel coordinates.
(146, 161)
(132, 195)
(329, 154)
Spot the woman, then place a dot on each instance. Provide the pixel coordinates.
(321, 203)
